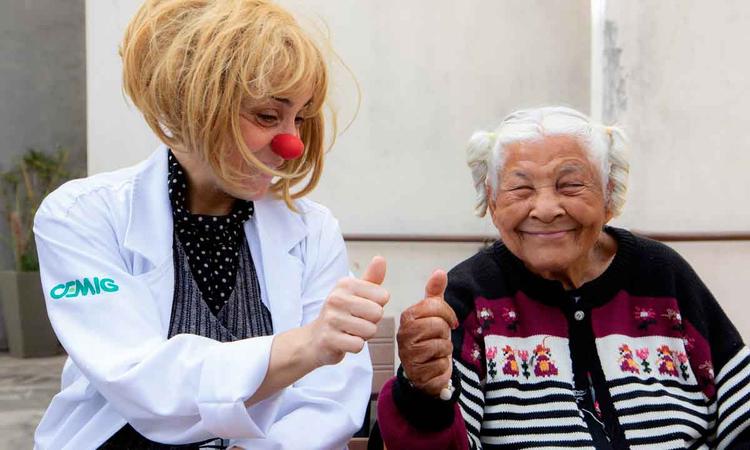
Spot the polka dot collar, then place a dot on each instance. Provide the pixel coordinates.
(211, 243)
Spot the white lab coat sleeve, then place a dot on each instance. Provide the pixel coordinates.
(171, 390)
(327, 406)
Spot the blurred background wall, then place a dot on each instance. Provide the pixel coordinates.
(670, 72)
(432, 72)
(42, 82)
(42, 88)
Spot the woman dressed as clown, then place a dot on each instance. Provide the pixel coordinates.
(231, 319)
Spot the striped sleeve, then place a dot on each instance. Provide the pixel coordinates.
(471, 401)
(720, 358)
(468, 341)
(733, 402)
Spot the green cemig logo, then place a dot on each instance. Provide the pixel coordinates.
(83, 287)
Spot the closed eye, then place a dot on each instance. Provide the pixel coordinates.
(571, 188)
(267, 120)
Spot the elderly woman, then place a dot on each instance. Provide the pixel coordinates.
(566, 332)
(198, 296)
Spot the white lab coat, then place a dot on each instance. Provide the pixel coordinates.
(121, 366)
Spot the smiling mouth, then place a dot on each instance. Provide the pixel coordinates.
(546, 234)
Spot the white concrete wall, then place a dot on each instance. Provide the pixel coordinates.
(117, 134)
(431, 73)
(674, 75)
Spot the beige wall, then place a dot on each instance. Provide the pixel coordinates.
(116, 133)
(673, 74)
(432, 72)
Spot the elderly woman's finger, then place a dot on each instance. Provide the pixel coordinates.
(421, 374)
(434, 307)
(431, 378)
(423, 329)
(427, 350)
(435, 385)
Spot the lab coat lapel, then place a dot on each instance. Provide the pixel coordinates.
(279, 231)
(149, 231)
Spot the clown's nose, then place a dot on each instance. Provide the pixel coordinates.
(287, 146)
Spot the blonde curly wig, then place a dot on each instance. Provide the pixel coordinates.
(190, 66)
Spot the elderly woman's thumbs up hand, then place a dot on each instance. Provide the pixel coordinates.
(350, 314)
(424, 338)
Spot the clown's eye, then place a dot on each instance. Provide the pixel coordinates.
(267, 119)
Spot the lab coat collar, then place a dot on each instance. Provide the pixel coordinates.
(150, 227)
(278, 227)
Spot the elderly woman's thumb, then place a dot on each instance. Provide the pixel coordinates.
(436, 284)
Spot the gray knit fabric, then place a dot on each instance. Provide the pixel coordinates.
(243, 316)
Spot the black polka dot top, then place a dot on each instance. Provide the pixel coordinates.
(212, 243)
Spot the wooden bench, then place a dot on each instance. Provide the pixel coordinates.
(382, 349)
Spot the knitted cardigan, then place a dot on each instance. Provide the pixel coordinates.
(667, 367)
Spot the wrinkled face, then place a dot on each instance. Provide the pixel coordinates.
(549, 206)
(260, 123)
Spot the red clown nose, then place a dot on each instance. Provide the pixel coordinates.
(287, 146)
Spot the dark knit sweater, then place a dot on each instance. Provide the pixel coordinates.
(641, 357)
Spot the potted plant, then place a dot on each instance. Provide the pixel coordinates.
(23, 188)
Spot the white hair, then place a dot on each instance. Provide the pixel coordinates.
(606, 147)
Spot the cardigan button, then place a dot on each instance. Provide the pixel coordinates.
(579, 315)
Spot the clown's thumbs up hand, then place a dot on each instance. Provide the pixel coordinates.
(424, 338)
(350, 314)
